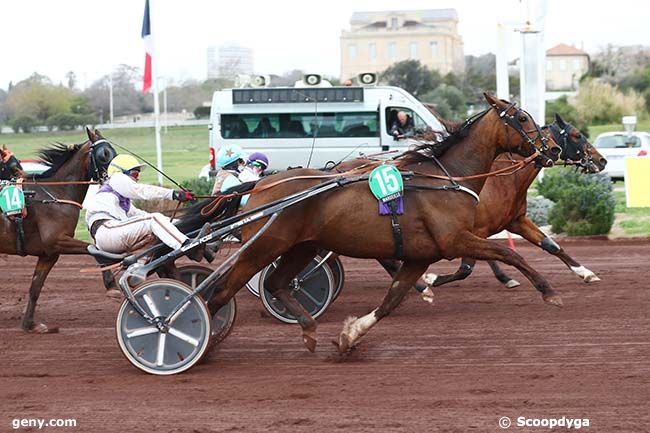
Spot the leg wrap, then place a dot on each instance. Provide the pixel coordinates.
(550, 245)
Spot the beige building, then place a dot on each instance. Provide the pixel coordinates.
(565, 65)
(376, 40)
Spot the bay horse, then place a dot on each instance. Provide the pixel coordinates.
(53, 211)
(503, 206)
(436, 223)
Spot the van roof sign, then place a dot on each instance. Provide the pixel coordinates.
(288, 94)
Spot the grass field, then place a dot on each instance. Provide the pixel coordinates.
(185, 148)
(185, 152)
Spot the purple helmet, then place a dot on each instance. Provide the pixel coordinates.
(259, 158)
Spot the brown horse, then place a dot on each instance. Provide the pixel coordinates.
(436, 224)
(503, 206)
(53, 211)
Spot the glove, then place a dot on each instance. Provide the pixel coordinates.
(183, 195)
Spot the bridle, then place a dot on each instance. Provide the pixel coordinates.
(101, 154)
(573, 153)
(513, 121)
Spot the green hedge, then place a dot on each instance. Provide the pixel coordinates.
(584, 203)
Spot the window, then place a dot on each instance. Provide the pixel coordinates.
(391, 117)
(576, 64)
(549, 65)
(413, 50)
(562, 64)
(352, 52)
(392, 50)
(393, 23)
(434, 48)
(372, 51)
(617, 141)
(299, 125)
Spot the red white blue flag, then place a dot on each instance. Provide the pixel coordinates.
(148, 46)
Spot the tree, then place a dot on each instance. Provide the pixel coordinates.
(448, 100)
(412, 76)
(37, 98)
(568, 112)
(127, 98)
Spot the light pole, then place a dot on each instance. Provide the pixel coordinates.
(110, 96)
(164, 81)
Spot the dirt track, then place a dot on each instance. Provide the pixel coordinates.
(482, 352)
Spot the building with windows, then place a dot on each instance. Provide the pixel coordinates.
(376, 40)
(227, 61)
(565, 65)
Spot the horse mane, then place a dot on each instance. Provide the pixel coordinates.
(55, 156)
(192, 217)
(428, 149)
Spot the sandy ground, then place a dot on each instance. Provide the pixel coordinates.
(481, 353)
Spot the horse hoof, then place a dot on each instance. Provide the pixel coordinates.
(114, 294)
(554, 300)
(591, 278)
(42, 328)
(309, 342)
(430, 278)
(344, 344)
(428, 295)
(511, 284)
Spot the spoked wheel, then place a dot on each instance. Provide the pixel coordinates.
(224, 318)
(339, 275)
(174, 349)
(313, 289)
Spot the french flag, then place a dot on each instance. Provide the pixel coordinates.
(148, 47)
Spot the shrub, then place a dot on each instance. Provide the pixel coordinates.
(69, 121)
(584, 203)
(199, 185)
(600, 102)
(24, 123)
(538, 209)
(568, 112)
(202, 112)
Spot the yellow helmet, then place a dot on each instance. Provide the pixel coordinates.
(124, 163)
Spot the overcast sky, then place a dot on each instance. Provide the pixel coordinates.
(92, 37)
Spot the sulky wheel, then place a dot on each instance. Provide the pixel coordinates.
(176, 348)
(339, 275)
(313, 289)
(222, 320)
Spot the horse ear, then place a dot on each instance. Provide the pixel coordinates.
(560, 122)
(98, 134)
(91, 135)
(494, 102)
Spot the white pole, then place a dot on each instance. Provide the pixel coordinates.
(165, 103)
(156, 113)
(503, 85)
(110, 96)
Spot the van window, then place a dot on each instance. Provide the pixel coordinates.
(391, 118)
(617, 141)
(299, 125)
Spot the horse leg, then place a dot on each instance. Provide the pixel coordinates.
(355, 328)
(503, 278)
(392, 266)
(289, 265)
(43, 268)
(526, 228)
(468, 244)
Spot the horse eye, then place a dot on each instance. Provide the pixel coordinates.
(523, 118)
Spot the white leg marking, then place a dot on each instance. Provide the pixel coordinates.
(585, 274)
(430, 278)
(354, 328)
(427, 295)
(511, 284)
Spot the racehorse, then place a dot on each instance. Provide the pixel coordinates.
(503, 206)
(53, 211)
(436, 223)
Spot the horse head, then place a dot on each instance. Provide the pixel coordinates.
(523, 136)
(576, 149)
(101, 153)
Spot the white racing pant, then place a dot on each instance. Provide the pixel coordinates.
(133, 233)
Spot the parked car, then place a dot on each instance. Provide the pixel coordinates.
(615, 146)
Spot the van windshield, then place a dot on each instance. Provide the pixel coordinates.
(299, 125)
(617, 141)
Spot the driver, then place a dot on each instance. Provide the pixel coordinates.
(235, 168)
(10, 167)
(117, 226)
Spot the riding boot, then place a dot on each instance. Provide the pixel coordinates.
(20, 236)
